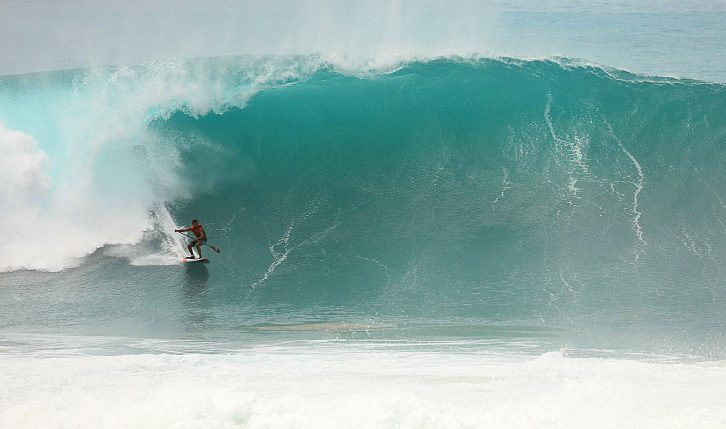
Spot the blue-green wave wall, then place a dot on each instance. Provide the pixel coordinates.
(496, 188)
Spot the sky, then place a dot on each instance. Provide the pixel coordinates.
(663, 37)
(44, 34)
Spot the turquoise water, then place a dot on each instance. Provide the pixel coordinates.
(546, 194)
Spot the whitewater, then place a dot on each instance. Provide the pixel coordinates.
(489, 229)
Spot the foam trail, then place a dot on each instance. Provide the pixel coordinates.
(574, 149)
(639, 185)
(173, 243)
(506, 185)
(379, 264)
(278, 257)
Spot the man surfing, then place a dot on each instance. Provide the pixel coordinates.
(201, 238)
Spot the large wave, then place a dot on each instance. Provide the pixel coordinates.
(460, 182)
(78, 150)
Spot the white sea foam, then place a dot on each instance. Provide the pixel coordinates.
(356, 388)
(23, 173)
(51, 230)
(99, 176)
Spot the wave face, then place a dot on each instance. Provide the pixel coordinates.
(492, 187)
(496, 188)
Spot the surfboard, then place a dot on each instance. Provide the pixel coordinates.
(190, 260)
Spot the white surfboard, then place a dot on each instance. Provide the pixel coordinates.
(191, 260)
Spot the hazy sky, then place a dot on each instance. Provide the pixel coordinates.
(655, 37)
(48, 34)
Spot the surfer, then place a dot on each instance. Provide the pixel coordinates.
(201, 237)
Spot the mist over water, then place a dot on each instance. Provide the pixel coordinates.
(657, 38)
(363, 32)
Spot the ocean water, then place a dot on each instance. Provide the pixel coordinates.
(475, 240)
